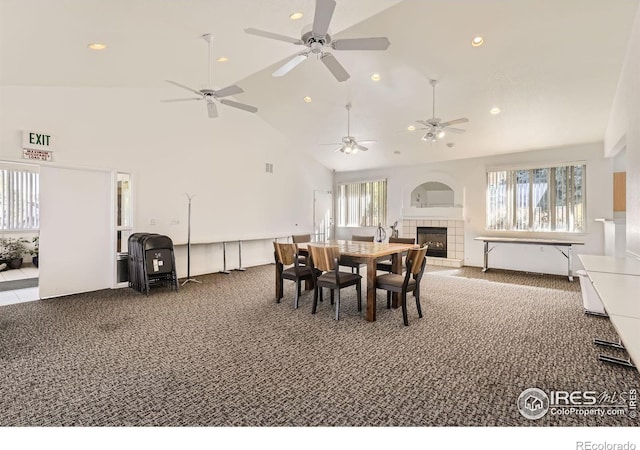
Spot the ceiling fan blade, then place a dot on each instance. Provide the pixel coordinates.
(229, 90)
(249, 108)
(374, 43)
(454, 130)
(333, 143)
(289, 65)
(425, 123)
(276, 36)
(454, 122)
(322, 17)
(369, 141)
(212, 110)
(185, 87)
(360, 147)
(339, 149)
(335, 67)
(181, 99)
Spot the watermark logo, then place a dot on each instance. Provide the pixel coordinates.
(533, 403)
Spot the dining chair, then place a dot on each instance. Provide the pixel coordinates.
(286, 254)
(326, 259)
(386, 265)
(354, 265)
(409, 282)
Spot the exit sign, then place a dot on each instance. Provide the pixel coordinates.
(37, 140)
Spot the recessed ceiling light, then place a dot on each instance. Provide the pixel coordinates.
(307, 99)
(375, 76)
(411, 128)
(222, 59)
(97, 46)
(295, 16)
(477, 41)
(495, 110)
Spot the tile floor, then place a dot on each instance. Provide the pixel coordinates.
(19, 295)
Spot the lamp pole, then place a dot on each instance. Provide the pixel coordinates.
(189, 245)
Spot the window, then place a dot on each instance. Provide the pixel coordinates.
(19, 200)
(544, 199)
(362, 204)
(124, 211)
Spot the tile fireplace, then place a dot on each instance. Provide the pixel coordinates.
(452, 255)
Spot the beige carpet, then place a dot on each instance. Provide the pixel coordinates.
(224, 353)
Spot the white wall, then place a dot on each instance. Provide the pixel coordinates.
(624, 130)
(173, 149)
(469, 180)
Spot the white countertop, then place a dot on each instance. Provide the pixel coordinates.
(628, 329)
(523, 240)
(611, 264)
(620, 294)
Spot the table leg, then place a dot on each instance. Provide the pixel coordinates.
(486, 256)
(570, 263)
(277, 281)
(371, 290)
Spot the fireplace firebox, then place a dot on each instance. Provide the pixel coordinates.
(435, 238)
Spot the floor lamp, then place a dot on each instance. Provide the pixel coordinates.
(189, 245)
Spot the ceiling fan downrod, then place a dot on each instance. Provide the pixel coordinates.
(433, 109)
(208, 37)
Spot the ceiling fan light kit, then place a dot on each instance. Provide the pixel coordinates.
(318, 41)
(349, 145)
(209, 94)
(436, 129)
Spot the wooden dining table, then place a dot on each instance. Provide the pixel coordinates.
(368, 253)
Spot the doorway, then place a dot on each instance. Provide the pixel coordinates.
(323, 215)
(19, 232)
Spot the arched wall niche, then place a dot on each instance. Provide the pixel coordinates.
(433, 194)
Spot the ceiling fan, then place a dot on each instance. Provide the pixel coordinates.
(349, 145)
(317, 39)
(435, 128)
(209, 95)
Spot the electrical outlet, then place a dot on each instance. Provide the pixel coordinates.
(152, 221)
(175, 221)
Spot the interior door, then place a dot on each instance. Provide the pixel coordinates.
(323, 215)
(76, 241)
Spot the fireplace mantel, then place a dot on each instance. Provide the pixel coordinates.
(438, 213)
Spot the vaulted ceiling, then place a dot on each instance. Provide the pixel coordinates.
(551, 66)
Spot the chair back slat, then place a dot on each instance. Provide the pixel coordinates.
(324, 257)
(356, 237)
(285, 252)
(416, 256)
(395, 240)
(300, 238)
